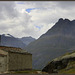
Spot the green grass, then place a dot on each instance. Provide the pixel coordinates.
(71, 71)
(28, 72)
(68, 53)
(32, 71)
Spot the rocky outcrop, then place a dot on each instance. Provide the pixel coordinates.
(60, 63)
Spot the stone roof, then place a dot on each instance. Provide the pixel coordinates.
(13, 49)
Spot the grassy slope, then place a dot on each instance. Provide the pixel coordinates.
(64, 64)
(70, 69)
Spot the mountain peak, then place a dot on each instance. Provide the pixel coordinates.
(63, 26)
(66, 20)
(7, 35)
(61, 20)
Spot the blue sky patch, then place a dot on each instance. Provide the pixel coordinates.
(29, 9)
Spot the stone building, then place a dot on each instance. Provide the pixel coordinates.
(14, 59)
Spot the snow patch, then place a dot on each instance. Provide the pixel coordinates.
(7, 35)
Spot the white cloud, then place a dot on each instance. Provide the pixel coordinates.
(15, 20)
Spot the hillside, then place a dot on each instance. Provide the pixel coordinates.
(55, 42)
(27, 40)
(62, 64)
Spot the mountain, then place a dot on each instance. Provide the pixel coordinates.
(27, 40)
(62, 27)
(55, 42)
(62, 64)
(9, 40)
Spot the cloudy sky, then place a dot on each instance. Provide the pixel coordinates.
(33, 18)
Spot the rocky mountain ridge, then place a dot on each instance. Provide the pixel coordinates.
(11, 41)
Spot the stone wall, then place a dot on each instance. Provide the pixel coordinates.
(19, 61)
(3, 63)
